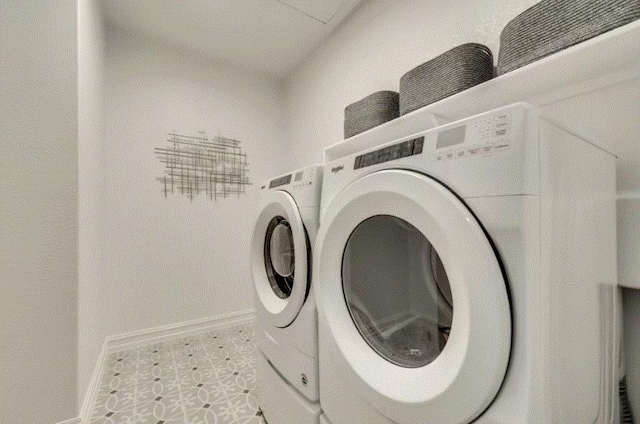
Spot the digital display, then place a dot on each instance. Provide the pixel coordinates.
(451, 137)
(397, 151)
(280, 181)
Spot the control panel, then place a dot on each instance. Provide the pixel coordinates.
(493, 153)
(482, 136)
(280, 181)
(296, 180)
(385, 154)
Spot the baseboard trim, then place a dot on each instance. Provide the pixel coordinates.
(71, 421)
(159, 334)
(92, 390)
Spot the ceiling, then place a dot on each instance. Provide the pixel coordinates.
(267, 36)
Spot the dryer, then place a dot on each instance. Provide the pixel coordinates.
(281, 256)
(468, 274)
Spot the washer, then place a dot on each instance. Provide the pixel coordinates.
(468, 274)
(287, 323)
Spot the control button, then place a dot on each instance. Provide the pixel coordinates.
(486, 124)
(502, 119)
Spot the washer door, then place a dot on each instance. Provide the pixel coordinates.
(279, 260)
(414, 297)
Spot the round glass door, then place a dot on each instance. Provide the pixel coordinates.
(413, 300)
(397, 291)
(279, 257)
(279, 260)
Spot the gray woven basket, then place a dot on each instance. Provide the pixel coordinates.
(553, 25)
(452, 72)
(373, 110)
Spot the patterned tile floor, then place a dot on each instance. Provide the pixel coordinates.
(202, 379)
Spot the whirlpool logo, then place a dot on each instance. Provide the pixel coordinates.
(337, 169)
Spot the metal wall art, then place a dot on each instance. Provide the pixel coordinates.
(199, 165)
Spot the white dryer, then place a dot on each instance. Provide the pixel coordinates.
(468, 274)
(287, 323)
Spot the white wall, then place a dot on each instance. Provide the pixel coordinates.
(39, 210)
(170, 260)
(90, 136)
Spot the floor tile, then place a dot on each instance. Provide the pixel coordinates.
(201, 379)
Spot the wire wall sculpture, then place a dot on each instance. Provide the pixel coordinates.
(195, 165)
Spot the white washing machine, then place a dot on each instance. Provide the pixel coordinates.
(286, 313)
(468, 274)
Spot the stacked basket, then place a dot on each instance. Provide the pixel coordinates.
(373, 110)
(554, 25)
(452, 72)
(544, 29)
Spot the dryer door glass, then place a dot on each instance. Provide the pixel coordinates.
(397, 291)
(279, 256)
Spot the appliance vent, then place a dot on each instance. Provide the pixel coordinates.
(626, 416)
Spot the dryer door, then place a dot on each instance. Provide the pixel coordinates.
(279, 260)
(413, 295)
